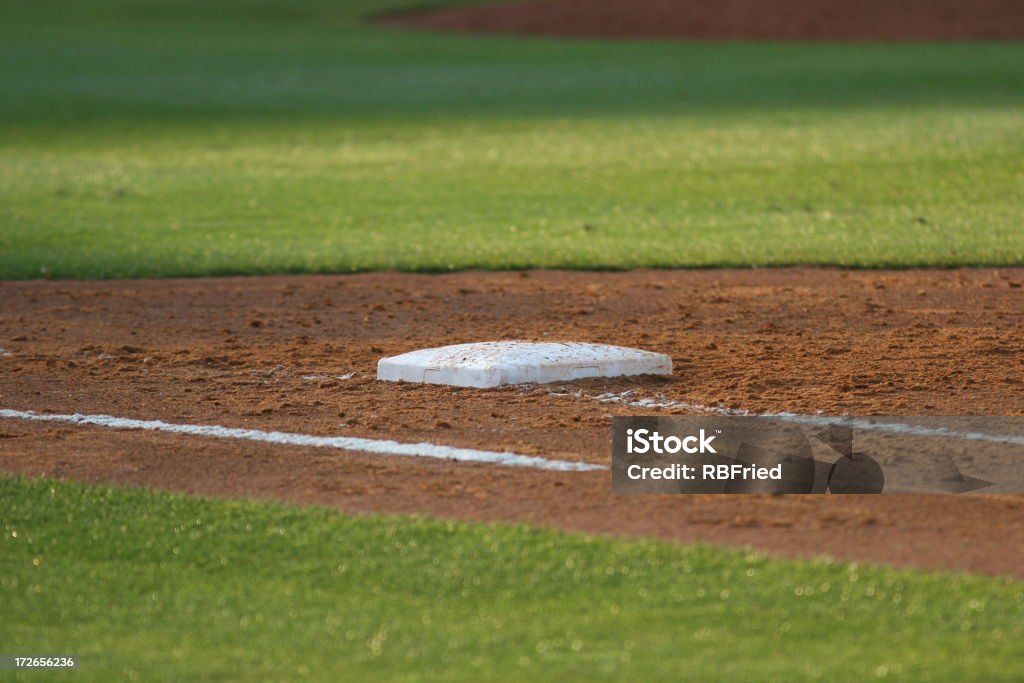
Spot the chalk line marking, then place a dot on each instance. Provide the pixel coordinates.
(896, 428)
(429, 450)
(626, 398)
(378, 446)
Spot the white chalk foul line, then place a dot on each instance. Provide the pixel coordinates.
(896, 428)
(627, 398)
(378, 446)
(429, 450)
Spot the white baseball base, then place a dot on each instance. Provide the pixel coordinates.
(492, 364)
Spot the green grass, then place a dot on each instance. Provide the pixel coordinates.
(164, 587)
(177, 137)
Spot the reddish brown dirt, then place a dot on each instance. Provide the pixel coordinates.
(734, 19)
(298, 354)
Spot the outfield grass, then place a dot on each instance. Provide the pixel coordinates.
(164, 587)
(255, 136)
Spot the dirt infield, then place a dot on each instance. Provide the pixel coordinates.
(298, 354)
(734, 19)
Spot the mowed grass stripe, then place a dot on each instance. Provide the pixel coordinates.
(262, 136)
(169, 587)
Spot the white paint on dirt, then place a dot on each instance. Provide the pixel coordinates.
(493, 364)
(628, 398)
(429, 450)
(896, 428)
(376, 446)
(323, 378)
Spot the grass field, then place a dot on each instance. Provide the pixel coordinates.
(248, 136)
(163, 587)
